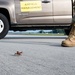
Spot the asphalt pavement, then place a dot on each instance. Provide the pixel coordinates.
(41, 56)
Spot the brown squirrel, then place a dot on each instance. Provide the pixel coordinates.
(18, 53)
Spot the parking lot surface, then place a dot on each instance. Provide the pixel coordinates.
(41, 56)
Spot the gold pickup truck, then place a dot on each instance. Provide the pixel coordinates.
(20, 15)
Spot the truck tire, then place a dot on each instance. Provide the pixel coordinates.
(4, 26)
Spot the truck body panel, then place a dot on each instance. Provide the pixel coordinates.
(10, 7)
(42, 15)
(62, 11)
(56, 11)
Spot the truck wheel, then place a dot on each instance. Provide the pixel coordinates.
(4, 26)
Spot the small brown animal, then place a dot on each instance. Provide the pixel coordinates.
(18, 53)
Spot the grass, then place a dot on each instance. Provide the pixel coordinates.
(46, 34)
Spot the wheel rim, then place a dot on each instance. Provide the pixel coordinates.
(1, 26)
